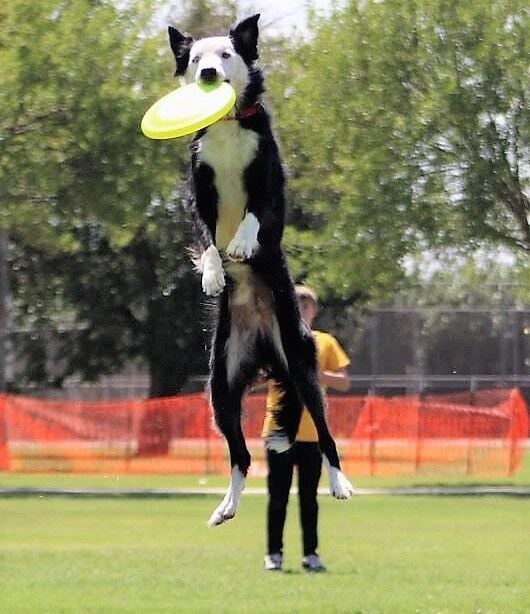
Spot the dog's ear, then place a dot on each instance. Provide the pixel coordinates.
(245, 38)
(180, 45)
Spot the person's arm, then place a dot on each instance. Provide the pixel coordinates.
(337, 380)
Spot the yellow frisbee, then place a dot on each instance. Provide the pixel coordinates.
(188, 109)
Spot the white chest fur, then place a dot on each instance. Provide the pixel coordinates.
(228, 149)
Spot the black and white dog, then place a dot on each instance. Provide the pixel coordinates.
(237, 201)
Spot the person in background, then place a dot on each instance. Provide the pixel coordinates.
(304, 453)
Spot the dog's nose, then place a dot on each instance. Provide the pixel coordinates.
(208, 75)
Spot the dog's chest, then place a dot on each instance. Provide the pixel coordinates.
(228, 149)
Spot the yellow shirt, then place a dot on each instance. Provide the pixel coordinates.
(331, 357)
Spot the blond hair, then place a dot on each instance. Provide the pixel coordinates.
(306, 292)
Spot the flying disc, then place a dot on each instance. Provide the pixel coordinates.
(188, 109)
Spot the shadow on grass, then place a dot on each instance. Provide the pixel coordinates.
(302, 572)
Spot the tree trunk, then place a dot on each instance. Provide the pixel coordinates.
(168, 375)
(174, 349)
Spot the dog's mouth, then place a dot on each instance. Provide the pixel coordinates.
(214, 81)
(211, 76)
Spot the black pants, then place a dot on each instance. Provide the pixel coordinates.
(308, 459)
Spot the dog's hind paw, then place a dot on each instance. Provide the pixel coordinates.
(339, 485)
(228, 506)
(221, 514)
(277, 441)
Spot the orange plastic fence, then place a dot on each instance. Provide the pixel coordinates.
(465, 433)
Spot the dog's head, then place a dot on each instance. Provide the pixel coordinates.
(217, 58)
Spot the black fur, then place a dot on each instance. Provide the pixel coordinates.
(180, 45)
(245, 39)
(294, 364)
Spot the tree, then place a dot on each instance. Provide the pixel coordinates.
(404, 127)
(473, 126)
(346, 139)
(97, 235)
(139, 301)
(78, 77)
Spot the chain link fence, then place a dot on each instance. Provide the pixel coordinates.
(393, 351)
(398, 351)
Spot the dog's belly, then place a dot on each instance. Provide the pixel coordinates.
(250, 300)
(228, 149)
(251, 313)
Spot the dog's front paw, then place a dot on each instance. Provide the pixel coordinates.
(240, 250)
(245, 242)
(213, 277)
(213, 282)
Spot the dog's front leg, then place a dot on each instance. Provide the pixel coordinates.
(213, 277)
(245, 242)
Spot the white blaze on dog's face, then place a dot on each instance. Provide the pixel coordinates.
(215, 59)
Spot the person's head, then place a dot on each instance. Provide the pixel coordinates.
(308, 302)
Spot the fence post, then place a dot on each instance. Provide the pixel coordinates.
(4, 445)
(129, 444)
(374, 344)
(470, 422)
(420, 403)
(208, 465)
(372, 445)
(4, 302)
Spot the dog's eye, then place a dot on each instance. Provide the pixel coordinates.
(196, 59)
(226, 55)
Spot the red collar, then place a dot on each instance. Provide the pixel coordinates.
(247, 112)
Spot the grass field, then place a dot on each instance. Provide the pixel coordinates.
(385, 554)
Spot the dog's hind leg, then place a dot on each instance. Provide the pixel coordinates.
(227, 384)
(286, 416)
(283, 394)
(298, 351)
(304, 370)
(227, 410)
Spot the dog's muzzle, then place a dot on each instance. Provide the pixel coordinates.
(208, 75)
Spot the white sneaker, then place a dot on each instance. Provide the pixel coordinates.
(312, 562)
(273, 562)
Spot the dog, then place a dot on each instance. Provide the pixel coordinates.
(238, 205)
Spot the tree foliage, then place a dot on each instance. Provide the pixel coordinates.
(78, 76)
(98, 241)
(138, 301)
(405, 124)
(347, 139)
(473, 124)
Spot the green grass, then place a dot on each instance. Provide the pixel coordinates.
(385, 554)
